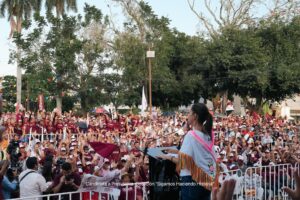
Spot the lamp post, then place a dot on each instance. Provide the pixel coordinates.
(150, 55)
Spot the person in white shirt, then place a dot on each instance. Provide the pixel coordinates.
(32, 183)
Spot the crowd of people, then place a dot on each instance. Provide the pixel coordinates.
(58, 146)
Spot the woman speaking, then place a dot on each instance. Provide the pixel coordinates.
(196, 160)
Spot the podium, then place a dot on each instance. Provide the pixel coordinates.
(163, 177)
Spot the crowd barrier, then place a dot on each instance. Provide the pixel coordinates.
(255, 183)
(266, 182)
(129, 191)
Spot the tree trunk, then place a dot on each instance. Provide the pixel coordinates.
(59, 102)
(28, 96)
(19, 78)
(224, 101)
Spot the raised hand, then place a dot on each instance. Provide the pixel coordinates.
(294, 194)
(225, 192)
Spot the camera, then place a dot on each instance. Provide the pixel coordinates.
(60, 162)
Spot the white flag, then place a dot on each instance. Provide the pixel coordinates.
(144, 102)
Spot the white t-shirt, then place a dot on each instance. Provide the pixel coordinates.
(32, 185)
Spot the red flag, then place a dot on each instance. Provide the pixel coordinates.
(104, 149)
(41, 102)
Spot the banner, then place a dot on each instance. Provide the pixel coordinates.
(41, 102)
(144, 102)
(98, 184)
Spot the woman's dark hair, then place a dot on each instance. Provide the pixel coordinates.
(10, 175)
(204, 117)
(47, 171)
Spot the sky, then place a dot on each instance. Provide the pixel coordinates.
(176, 10)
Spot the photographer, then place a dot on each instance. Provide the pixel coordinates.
(13, 152)
(66, 181)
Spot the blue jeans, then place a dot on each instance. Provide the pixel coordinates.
(190, 190)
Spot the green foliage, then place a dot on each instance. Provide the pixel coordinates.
(9, 87)
(72, 55)
(281, 44)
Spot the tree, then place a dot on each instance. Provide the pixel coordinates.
(114, 90)
(235, 64)
(281, 43)
(236, 14)
(69, 58)
(17, 12)
(9, 92)
(60, 6)
(93, 59)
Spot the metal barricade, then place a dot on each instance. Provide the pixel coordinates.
(266, 182)
(52, 136)
(138, 189)
(105, 193)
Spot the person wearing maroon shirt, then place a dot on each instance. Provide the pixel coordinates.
(33, 126)
(41, 128)
(50, 128)
(59, 125)
(110, 125)
(88, 168)
(129, 192)
(18, 128)
(135, 148)
(92, 126)
(26, 126)
(86, 156)
(72, 127)
(19, 116)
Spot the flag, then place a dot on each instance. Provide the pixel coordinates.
(41, 102)
(144, 102)
(103, 149)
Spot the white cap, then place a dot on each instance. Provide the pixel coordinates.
(78, 163)
(267, 151)
(88, 163)
(96, 168)
(80, 170)
(231, 154)
(106, 160)
(72, 148)
(225, 160)
(37, 141)
(223, 152)
(51, 141)
(73, 137)
(21, 145)
(63, 149)
(240, 157)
